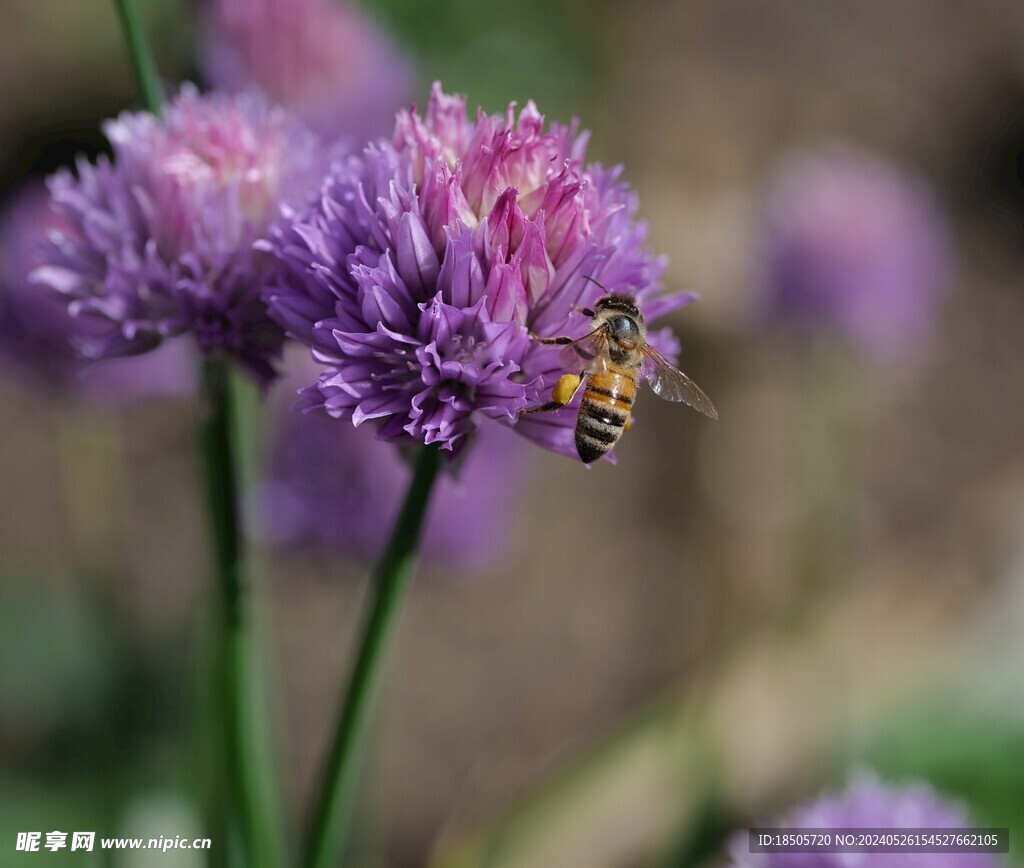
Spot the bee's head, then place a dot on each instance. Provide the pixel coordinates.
(618, 303)
(622, 319)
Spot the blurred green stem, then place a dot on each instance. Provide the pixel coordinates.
(239, 737)
(389, 582)
(249, 776)
(142, 57)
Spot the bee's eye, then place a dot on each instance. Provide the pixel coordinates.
(623, 328)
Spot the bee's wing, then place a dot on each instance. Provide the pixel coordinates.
(668, 382)
(592, 349)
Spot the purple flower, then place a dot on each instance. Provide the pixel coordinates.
(162, 240)
(418, 275)
(868, 803)
(336, 487)
(36, 329)
(851, 243)
(322, 59)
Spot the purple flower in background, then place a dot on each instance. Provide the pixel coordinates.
(869, 803)
(162, 237)
(337, 487)
(851, 243)
(36, 330)
(418, 275)
(323, 59)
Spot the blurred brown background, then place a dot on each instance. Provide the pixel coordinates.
(793, 592)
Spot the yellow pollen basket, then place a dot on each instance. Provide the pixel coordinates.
(565, 388)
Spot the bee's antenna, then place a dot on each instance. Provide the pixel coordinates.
(592, 280)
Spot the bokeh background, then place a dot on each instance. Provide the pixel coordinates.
(829, 578)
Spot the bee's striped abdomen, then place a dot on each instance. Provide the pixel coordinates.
(604, 412)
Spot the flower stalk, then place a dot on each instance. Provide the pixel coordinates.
(389, 583)
(142, 57)
(246, 760)
(238, 735)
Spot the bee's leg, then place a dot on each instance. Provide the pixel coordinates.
(586, 311)
(563, 393)
(561, 341)
(543, 408)
(564, 342)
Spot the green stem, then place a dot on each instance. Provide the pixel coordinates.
(249, 776)
(389, 583)
(242, 786)
(209, 743)
(142, 57)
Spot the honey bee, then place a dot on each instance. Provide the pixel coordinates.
(617, 351)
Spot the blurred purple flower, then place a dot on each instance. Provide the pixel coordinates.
(322, 59)
(869, 803)
(337, 487)
(36, 328)
(851, 243)
(162, 240)
(416, 277)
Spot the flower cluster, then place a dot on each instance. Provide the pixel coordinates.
(419, 274)
(335, 487)
(323, 59)
(869, 803)
(854, 245)
(36, 330)
(161, 239)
